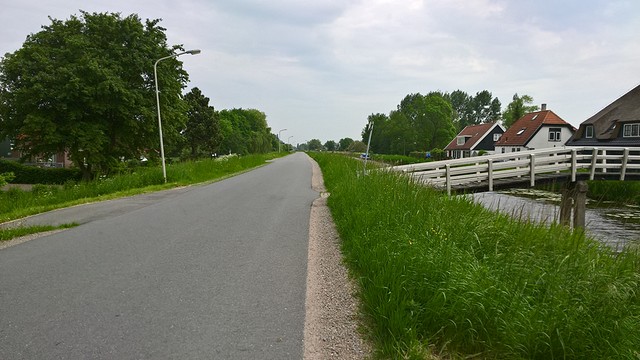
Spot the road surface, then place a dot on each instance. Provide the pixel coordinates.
(207, 272)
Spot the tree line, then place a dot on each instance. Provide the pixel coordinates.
(85, 86)
(422, 123)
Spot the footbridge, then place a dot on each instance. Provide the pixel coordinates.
(568, 165)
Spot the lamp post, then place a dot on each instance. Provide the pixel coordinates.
(155, 77)
(289, 142)
(366, 156)
(280, 132)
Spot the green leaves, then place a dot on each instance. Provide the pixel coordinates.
(421, 122)
(85, 85)
(517, 108)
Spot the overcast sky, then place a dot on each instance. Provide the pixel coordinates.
(318, 68)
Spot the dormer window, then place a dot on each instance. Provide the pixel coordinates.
(554, 134)
(631, 130)
(588, 132)
(521, 131)
(460, 140)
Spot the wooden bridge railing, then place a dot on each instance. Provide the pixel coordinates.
(570, 161)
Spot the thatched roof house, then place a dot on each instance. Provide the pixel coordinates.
(618, 124)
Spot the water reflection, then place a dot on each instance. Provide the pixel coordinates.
(614, 225)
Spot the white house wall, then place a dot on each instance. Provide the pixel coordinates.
(541, 139)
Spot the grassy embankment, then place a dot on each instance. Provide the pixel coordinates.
(16, 203)
(624, 192)
(444, 276)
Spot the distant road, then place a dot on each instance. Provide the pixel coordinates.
(205, 272)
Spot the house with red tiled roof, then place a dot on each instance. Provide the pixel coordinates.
(537, 130)
(473, 139)
(618, 124)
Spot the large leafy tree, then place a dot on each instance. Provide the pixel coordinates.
(473, 110)
(202, 131)
(245, 131)
(330, 145)
(85, 86)
(430, 117)
(402, 138)
(314, 145)
(517, 108)
(379, 139)
(344, 143)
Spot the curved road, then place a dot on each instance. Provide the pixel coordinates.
(206, 272)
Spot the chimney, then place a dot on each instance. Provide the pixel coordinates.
(543, 107)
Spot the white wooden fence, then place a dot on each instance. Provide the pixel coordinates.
(570, 161)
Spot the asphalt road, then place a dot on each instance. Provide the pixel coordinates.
(207, 272)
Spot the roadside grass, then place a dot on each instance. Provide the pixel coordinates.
(446, 277)
(8, 234)
(16, 203)
(397, 159)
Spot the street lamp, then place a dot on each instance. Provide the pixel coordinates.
(289, 142)
(155, 77)
(280, 132)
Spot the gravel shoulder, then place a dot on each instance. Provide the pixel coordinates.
(332, 316)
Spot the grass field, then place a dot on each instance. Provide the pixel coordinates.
(16, 203)
(443, 276)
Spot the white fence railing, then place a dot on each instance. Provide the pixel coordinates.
(531, 164)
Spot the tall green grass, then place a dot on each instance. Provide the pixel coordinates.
(16, 203)
(443, 275)
(397, 159)
(627, 192)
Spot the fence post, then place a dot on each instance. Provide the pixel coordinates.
(490, 174)
(625, 160)
(574, 164)
(566, 203)
(580, 205)
(448, 178)
(532, 169)
(594, 162)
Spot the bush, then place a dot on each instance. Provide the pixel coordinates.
(6, 178)
(438, 154)
(35, 175)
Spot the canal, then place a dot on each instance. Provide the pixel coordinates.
(614, 225)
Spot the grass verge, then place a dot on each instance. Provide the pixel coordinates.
(445, 276)
(16, 203)
(8, 234)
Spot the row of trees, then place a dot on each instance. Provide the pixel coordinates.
(207, 131)
(427, 122)
(422, 123)
(345, 144)
(85, 86)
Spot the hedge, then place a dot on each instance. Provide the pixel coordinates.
(34, 175)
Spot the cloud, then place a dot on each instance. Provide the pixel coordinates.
(319, 68)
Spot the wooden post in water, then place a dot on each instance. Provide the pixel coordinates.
(574, 197)
(566, 203)
(580, 205)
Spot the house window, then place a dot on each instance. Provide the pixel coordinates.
(588, 132)
(631, 130)
(503, 149)
(496, 137)
(521, 131)
(554, 134)
(460, 140)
